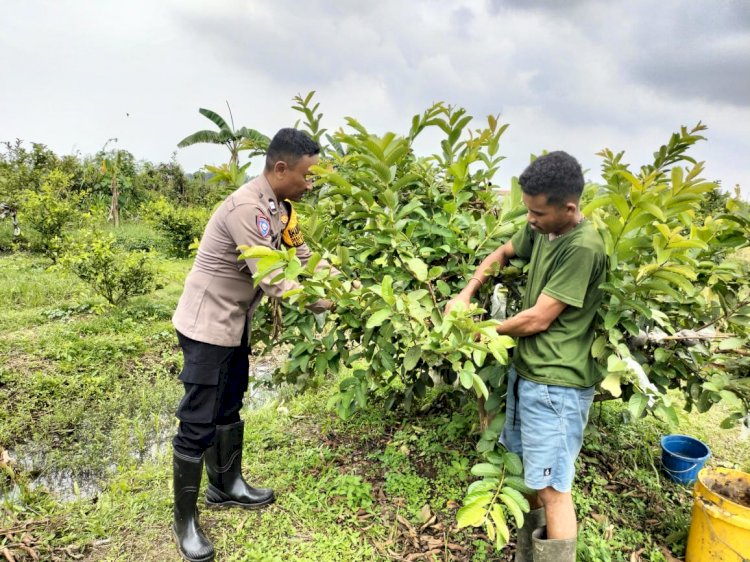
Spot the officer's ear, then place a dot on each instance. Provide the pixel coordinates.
(280, 168)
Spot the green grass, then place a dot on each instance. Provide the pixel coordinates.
(92, 388)
(75, 372)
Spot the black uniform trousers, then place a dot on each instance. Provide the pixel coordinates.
(215, 380)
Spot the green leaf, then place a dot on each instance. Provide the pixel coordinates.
(479, 387)
(482, 486)
(517, 497)
(517, 483)
(486, 469)
(387, 290)
(514, 509)
(668, 413)
(466, 378)
(378, 318)
(653, 210)
(513, 463)
(471, 515)
(600, 344)
(249, 252)
(444, 288)
(412, 357)
(612, 384)
(612, 317)
(321, 364)
(497, 422)
(503, 533)
(435, 272)
(418, 267)
(637, 404)
(732, 343)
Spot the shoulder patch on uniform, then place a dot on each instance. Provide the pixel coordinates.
(264, 225)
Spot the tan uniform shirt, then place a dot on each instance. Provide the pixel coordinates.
(219, 294)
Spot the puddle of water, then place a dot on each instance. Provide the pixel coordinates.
(261, 392)
(68, 485)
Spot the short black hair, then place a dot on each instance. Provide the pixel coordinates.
(289, 145)
(557, 175)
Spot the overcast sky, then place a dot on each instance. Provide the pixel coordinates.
(576, 75)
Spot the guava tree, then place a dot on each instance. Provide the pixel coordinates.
(412, 229)
(678, 306)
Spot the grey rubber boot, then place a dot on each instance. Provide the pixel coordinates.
(191, 542)
(552, 550)
(532, 521)
(226, 487)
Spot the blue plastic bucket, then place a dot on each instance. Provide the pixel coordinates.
(682, 457)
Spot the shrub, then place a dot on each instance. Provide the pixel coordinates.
(138, 236)
(180, 225)
(50, 211)
(114, 274)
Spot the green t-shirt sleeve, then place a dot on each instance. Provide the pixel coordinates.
(523, 242)
(571, 278)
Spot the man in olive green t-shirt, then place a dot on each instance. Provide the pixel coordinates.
(551, 382)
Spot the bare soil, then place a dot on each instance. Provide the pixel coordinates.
(731, 487)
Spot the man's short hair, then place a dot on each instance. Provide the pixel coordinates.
(557, 175)
(289, 145)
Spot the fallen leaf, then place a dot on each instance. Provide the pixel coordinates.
(636, 556)
(30, 551)
(668, 555)
(429, 522)
(599, 518)
(425, 513)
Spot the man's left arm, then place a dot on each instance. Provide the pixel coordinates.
(566, 286)
(533, 320)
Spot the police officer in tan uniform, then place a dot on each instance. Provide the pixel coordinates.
(212, 320)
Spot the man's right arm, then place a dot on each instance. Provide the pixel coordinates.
(499, 257)
(253, 228)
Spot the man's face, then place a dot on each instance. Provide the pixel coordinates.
(297, 180)
(546, 218)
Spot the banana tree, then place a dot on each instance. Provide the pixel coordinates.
(236, 140)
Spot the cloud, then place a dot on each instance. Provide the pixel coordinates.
(576, 75)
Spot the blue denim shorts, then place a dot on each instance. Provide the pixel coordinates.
(544, 426)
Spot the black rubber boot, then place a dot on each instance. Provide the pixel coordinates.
(552, 550)
(226, 487)
(533, 520)
(192, 543)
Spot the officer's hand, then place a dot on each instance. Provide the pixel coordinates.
(356, 284)
(325, 304)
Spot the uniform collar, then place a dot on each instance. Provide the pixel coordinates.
(266, 190)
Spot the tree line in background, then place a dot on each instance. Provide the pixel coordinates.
(412, 229)
(70, 208)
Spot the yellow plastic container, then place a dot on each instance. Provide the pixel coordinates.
(720, 524)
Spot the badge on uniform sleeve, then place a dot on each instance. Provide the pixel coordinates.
(264, 226)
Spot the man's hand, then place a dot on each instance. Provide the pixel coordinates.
(320, 305)
(356, 284)
(459, 300)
